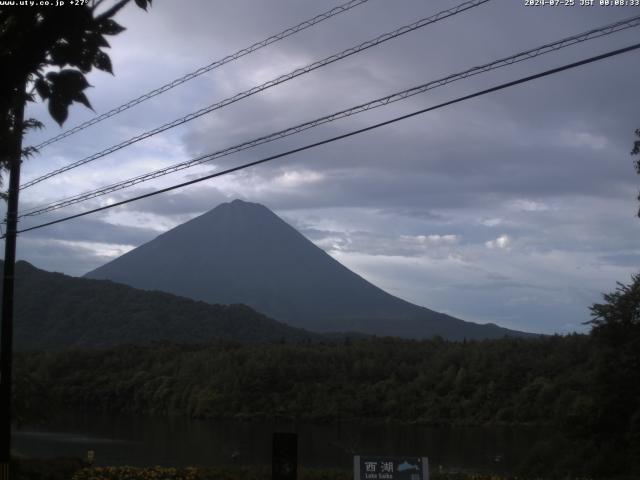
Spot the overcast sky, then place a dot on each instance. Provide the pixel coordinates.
(516, 208)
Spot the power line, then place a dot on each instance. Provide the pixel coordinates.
(526, 55)
(345, 135)
(264, 86)
(207, 68)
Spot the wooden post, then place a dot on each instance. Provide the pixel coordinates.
(6, 328)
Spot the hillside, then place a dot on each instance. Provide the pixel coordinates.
(547, 384)
(54, 311)
(241, 252)
(385, 379)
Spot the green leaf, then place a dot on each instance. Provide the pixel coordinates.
(66, 87)
(42, 87)
(102, 62)
(32, 123)
(58, 56)
(59, 111)
(85, 62)
(71, 81)
(101, 41)
(143, 3)
(82, 98)
(110, 27)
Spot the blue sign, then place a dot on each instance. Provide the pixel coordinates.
(390, 468)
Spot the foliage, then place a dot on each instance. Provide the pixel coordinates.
(54, 311)
(74, 469)
(585, 388)
(636, 151)
(431, 382)
(135, 473)
(49, 50)
(245, 473)
(41, 469)
(39, 37)
(555, 381)
(30, 398)
(621, 310)
(616, 415)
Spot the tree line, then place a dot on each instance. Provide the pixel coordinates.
(579, 386)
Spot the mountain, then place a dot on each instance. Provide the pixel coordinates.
(55, 311)
(242, 252)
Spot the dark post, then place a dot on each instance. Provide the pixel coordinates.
(6, 329)
(284, 462)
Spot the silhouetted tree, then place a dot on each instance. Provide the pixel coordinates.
(621, 308)
(636, 151)
(616, 332)
(66, 43)
(44, 50)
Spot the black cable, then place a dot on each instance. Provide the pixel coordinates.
(345, 135)
(467, 5)
(379, 102)
(207, 68)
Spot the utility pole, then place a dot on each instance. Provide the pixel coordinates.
(6, 329)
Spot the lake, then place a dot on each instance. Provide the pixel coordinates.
(178, 441)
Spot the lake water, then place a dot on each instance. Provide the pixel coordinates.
(176, 441)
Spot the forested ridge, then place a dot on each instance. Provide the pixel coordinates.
(501, 381)
(55, 311)
(586, 388)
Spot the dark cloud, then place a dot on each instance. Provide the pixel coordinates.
(179, 203)
(622, 259)
(72, 258)
(544, 167)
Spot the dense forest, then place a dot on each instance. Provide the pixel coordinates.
(543, 381)
(56, 311)
(585, 388)
(561, 382)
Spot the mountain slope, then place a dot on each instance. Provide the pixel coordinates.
(242, 252)
(56, 311)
